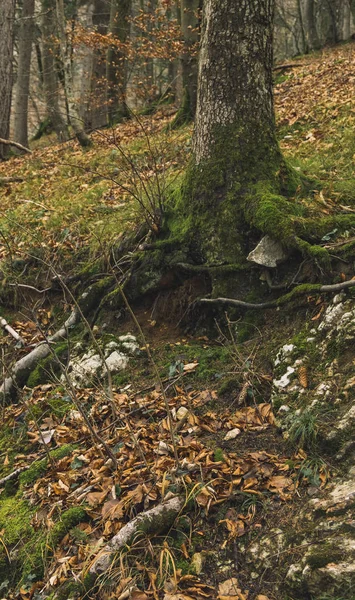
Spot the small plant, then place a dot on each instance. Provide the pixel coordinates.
(303, 429)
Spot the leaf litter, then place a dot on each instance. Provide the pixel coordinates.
(145, 475)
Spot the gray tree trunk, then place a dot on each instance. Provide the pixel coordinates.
(97, 110)
(189, 61)
(23, 72)
(66, 57)
(116, 60)
(311, 26)
(235, 90)
(234, 146)
(7, 12)
(50, 76)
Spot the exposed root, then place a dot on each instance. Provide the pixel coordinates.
(299, 290)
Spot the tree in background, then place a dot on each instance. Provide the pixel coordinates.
(50, 51)
(190, 16)
(65, 37)
(25, 37)
(7, 14)
(116, 73)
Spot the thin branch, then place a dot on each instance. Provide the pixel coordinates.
(16, 144)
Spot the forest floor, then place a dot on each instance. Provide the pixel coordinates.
(213, 436)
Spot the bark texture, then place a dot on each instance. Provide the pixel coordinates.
(66, 57)
(311, 27)
(7, 12)
(116, 60)
(235, 79)
(50, 77)
(23, 72)
(153, 521)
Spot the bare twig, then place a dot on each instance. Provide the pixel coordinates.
(16, 144)
(4, 324)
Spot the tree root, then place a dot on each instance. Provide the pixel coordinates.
(153, 521)
(299, 290)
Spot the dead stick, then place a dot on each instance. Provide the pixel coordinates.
(16, 144)
(4, 324)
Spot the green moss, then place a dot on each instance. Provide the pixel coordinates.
(38, 468)
(68, 519)
(322, 556)
(49, 367)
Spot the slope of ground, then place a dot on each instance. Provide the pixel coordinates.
(83, 454)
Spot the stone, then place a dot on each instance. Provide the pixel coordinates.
(268, 253)
(116, 362)
(232, 434)
(181, 413)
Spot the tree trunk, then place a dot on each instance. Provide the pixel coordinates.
(311, 27)
(23, 72)
(7, 12)
(236, 157)
(97, 110)
(116, 60)
(189, 61)
(305, 47)
(66, 56)
(50, 76)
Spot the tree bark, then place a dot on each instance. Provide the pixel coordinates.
(311, 27)
(23, 72)
(189, 61)
(66, 57)
(236, 158)
(7, 13)
(116, 60)
(50, 76)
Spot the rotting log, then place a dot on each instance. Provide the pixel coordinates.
(153, 521)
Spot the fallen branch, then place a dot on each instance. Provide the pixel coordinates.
(16, 144)
(5, 180)
(297, 291)
(153, 521)
(288, 66)
(23, 367)
(4, 324)
(14, 474)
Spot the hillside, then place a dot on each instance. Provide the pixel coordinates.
(235, 430)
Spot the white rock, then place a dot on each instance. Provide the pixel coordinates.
(268, 253)
(232, 434)
(110, 347)
(116, 361)
(285, 380)
(181, 412)
(284, 409)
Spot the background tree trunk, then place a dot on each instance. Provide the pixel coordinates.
(116, 58)
(7, 12)
(50, 76)
(66, 56)
(23, 72)
(189, 60)
(311, 27)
